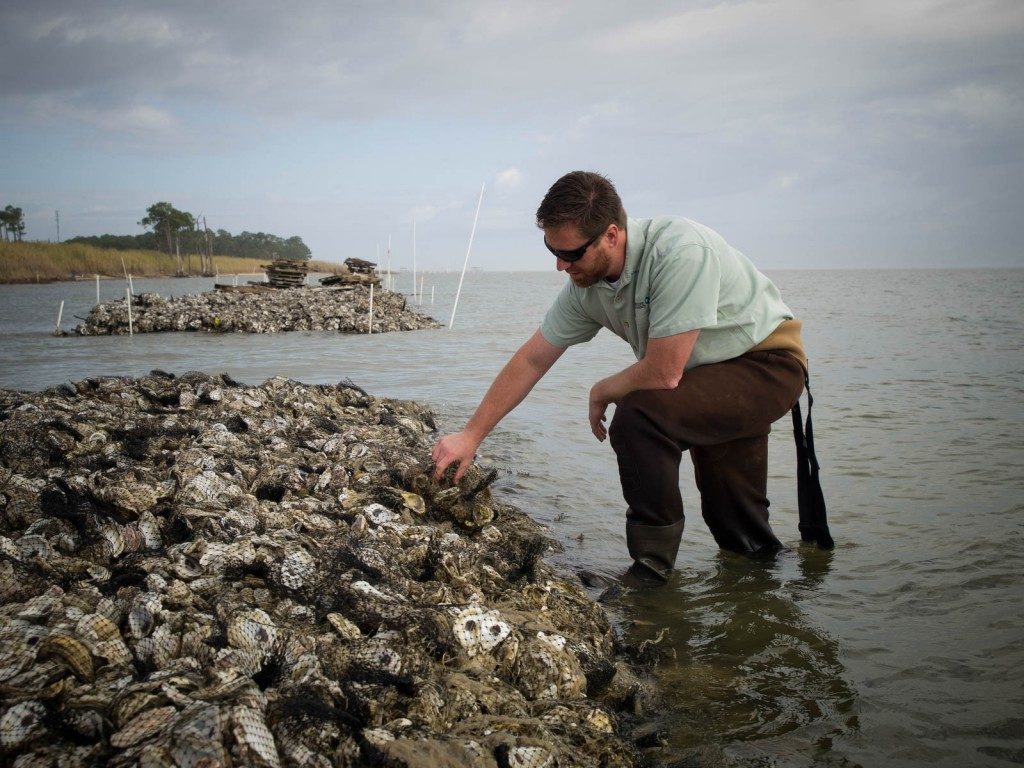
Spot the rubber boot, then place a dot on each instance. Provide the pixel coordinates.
(653, 549)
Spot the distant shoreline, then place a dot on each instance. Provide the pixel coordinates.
(27, 263)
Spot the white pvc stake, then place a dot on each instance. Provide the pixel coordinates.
(131, 285)
(414, 257)
(431, 295)
(60, 313)
(128, 300)
(236, 279)
(420, 300)
(97, 289)
(369, 328)
(465, 264)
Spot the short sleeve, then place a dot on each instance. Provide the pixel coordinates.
(685, 287)
(566, 323)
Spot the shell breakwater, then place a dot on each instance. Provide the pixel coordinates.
(346, 310)
(195, 572)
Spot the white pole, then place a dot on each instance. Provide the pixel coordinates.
(369, 325)
(389, 263)
(131, 285)
(414, 257)
(60, 313)
(236, 278)
(97, 289)
(128, 300)
(465, 264)
(420, 300)
(431, 295)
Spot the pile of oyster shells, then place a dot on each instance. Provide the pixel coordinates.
(195, 572)
(346, 310)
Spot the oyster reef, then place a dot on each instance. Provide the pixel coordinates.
(199, 573)
(346, 310)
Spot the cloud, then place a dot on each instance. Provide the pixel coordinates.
(422, 213)
(148, 124)
(135, 26)
(701, 108)
(510, 178)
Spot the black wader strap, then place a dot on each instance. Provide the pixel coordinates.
(810, 499)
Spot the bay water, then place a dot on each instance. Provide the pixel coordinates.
(902, 647)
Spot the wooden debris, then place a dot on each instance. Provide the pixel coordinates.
(357, 272)
(286, 273)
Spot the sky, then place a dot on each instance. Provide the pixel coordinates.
(809, 133)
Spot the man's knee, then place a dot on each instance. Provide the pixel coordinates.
(630, 420)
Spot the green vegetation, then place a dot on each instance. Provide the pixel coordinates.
(175, 245)
(256, 245)
(173, 231)
(12, 223)
(43, 262)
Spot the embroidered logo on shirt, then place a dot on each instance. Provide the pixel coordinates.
(643, 304)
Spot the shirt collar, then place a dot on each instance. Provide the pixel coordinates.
(634, 249)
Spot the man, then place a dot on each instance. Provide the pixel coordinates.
(719, 358)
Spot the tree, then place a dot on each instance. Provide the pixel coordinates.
(167, 223)
(167, 220)
(13, 222)
(294, 248)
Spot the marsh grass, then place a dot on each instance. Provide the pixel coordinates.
(46, 262)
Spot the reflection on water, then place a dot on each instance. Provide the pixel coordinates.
(746, 668)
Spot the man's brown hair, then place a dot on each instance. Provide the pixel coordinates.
(583, 198)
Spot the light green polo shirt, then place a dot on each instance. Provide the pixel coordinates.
(679, 276)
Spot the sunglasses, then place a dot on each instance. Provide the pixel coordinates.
(576, 253)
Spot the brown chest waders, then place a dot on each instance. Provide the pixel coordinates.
(721, 413)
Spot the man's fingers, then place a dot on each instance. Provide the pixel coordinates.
(442, 458)
(440, 468)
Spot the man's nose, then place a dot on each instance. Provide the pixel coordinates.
(561, 264)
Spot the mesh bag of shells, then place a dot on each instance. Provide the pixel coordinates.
(199, 573)
(272, 311)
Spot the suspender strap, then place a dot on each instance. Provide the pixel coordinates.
(810, 500)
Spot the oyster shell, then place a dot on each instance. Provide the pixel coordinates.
(291, 309)
(213, 574)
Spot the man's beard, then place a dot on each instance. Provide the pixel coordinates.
(596, 272)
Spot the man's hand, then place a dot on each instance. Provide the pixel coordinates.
(598, 407)
(516, 379)
(459, 447)
(661, 368)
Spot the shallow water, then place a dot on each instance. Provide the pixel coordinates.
(901, 647)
